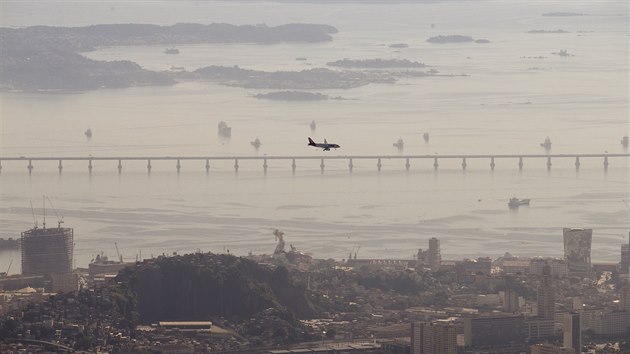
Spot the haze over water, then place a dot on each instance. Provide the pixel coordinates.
(506, 103)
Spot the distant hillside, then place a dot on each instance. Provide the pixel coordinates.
(57, 70)
(82, 39)
(202, 286)
(43, 58)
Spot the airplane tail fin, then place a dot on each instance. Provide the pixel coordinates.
(311, 142)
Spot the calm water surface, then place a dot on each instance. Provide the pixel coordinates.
(506, 103)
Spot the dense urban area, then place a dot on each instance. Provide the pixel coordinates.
(290, 302)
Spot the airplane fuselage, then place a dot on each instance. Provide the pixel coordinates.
(325, 146)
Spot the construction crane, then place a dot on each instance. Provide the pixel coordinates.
(118, 253)
(59, 219)
(34, 218)
(9, 268)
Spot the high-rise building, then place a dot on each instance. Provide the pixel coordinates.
(577, 250)
(47, 250)
(558, 266)
(510, 301)
(624, 303)
(433, 338)
(538, 329)
(434, 256)
(546, 297)
(624, 262)
(494, 331)
(572, 332)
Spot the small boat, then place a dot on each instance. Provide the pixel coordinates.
(546, 144)
(88, 133)
(313, 125)
(256, 143)
(624, 141)
(171, 51)
(515, 202)
(425, 136)
(399, 144)
(224, 130)
(300, 59)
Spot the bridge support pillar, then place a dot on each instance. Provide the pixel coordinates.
(350, 165)
(464, 164)
(178, 166)
(60, 167)
(149, 166)
(435, 164)
(90, 166)
(549, 163)
(321, 165)
(265, 166)
(30, 167)
(119, 166)
(407, 165)
(492, 164)
(379, 165)
(293, 166)
(606, 162)
(577, 163)
(235, 165)
(207, 166)
(520, 163)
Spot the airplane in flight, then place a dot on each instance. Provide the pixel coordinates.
(325, 146)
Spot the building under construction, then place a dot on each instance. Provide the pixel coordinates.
(47, 250)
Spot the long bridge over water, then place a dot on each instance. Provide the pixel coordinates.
(519, 160)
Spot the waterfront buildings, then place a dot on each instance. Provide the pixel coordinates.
(577, 250)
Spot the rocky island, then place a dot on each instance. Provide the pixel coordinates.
(310, 79)
(562, 14)
(377, 63)
(295, 96)
(455, 38)
(548, 31)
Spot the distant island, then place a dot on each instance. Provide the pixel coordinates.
(376, 63)
(311, 79)
(563, 53)
(563, 14)
(44, 58)
(171, 51)
(455, 38)
(548, 31)
(83, 39)
(295, 96)
(52, 70)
